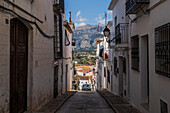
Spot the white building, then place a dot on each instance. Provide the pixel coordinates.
(99, 63)
(120, 47)
(31, 55)
(26, 55)
(147, 60)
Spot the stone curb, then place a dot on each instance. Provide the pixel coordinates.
(59, 105)
(113, 106)
(108, 102)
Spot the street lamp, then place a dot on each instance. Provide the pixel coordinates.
(73, 42)
(106, 32)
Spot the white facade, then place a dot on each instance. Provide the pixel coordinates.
(144, 87)
(40, 51)
(157, 84)
(37, 19)
(100, 64)
(120, 57)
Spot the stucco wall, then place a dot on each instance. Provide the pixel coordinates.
(4, 63)
(40, 54)
(158, 84)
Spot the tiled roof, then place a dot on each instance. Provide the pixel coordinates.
(84, 69)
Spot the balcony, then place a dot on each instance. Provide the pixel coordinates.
(59, 5)
(132, 6)
(121, 34)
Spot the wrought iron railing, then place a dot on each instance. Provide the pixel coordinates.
(133, 5)
(121, 33)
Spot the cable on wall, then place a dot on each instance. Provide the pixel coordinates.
(32, 22)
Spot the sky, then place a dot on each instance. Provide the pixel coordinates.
(88, 11)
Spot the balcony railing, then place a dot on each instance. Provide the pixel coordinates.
(133, 5)
(121, 33)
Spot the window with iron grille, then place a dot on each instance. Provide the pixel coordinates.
(115, 66)
(135, 52)
(162, 50)
(58, 36)
(104, 71)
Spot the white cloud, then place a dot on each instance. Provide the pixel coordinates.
(79, 18)
(100, 19)
(78, 13)
(80, 24)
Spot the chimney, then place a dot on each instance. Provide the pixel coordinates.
(69, 16)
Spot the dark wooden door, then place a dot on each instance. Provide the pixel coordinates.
(18, 66)
(55, 81)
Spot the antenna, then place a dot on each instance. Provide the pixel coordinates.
(105, 18)
(69, 16)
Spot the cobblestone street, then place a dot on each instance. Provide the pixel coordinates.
(86, 102)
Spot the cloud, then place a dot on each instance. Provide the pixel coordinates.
(80, 24)
(79, 18)
(100, 19)
(78, 13)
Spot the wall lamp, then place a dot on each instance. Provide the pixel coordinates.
(106, 32)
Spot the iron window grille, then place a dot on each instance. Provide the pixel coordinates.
(135, 52)
(61, 3)
(58, 36)
(162, 50)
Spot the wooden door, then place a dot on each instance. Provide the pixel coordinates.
(55, 81)
(18, 66)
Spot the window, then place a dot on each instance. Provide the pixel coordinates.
(115, 66)
(124, 65)
(101, 52)
(164, 107)
(162, 50)
(135, 53)
(104, 71)
(108, 75)
(67, 41)
(58, 36)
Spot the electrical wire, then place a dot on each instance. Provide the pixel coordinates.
(32, 22)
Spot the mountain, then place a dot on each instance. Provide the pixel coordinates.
(86, 36)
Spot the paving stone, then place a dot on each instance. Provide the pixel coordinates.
(55, 104)
(118, 104)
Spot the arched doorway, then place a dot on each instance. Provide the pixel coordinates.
(18, 66)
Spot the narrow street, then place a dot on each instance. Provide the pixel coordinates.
(84, 56)
(86, 102)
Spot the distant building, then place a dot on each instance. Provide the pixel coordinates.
(84, 74)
